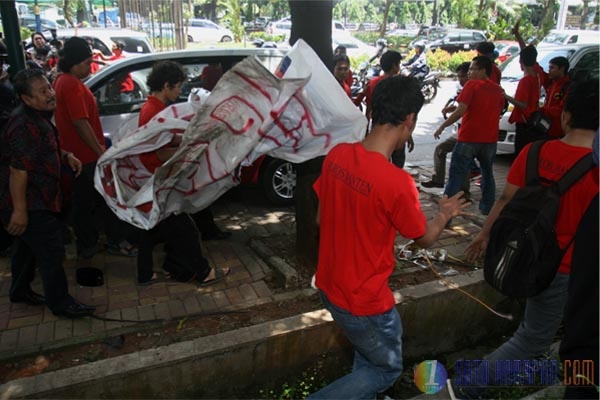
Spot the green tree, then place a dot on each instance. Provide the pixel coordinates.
(233, 18)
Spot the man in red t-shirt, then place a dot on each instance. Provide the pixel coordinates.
(341, 66)
(184, 260)
(556, 83)
(526, 99)
(479, 104)
(80, 130)
(544, 312)
(487, 49)
(363, 202)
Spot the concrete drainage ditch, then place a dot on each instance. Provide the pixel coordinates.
(237, 364)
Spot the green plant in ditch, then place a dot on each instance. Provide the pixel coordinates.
(310, 381)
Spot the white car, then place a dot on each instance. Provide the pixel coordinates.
(584, 64)
(104, 38)
(354, 47)
(571, 36)
(283, 27)
(204, 30)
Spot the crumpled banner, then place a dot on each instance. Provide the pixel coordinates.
(297, 115)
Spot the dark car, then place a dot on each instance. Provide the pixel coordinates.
(458, 40)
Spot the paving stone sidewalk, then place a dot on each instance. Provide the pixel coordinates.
(26, 330)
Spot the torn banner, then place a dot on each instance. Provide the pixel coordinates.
(250, 112)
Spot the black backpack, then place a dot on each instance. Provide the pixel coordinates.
(523, 254)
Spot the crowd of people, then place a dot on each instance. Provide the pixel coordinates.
(365, 197)
(358, 227)
(49, 146)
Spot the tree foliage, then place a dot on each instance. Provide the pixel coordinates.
(233, 18)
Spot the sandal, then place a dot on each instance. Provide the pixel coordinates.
(155, 279)
(220, 274)
(124, 249)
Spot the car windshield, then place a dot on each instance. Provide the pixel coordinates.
(556, 38)
(511, 69)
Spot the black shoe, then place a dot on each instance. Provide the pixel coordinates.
(432, 184)
(216, 235)
(32, 298)
(75, 309)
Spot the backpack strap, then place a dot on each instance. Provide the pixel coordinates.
(576, 172)
(531, 169)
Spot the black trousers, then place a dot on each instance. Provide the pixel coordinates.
(41, 246)
(184, 259)
(90, 211)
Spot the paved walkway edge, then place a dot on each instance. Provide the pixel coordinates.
(202, 347)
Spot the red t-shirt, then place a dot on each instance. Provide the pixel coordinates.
(371, 87)
(151, 107)
(349, 78)
(210, 76)
(75, 101)
(364, 200)
(556, 96)
(528, 90)
(346, 88)
(556, 157)
(484, 100)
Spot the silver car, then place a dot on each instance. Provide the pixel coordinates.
(584, 64)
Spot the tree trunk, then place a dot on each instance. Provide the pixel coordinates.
(434, 17)
(386, 12)
(584, 12)
(311, 21)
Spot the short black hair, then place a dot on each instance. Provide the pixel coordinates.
(485, 63)
(561, 62)
(34, 34)
(582, 103)
(340, 57)
(22, 80)
(120, 44)
(464, 67)
(528, 56)
(340, 48)
(485, 48)
(389, 59)
(163, 72)
(394, 98)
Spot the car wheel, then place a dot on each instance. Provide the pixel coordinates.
(226, 39)
(190, 39)
(429, 91)
(278, 180)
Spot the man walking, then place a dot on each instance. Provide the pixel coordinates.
(479, 105)
(78, 122)
(30, 197)
(363, 201)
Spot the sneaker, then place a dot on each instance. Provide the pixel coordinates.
(432, 184)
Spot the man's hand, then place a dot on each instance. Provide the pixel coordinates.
(438, 133)
(74, 163)
(476, 249)
(453, 206)
(448, 110)
(17, 223)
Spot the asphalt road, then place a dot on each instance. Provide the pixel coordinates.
(430, 118)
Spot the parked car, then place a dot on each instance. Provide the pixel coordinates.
(457, 39)
(505, 49)
(354, 47)
(283, 27)
(204, 30)
(28, 22)
(103, 39)
(570, 36)
(277, 177)
(584, 65)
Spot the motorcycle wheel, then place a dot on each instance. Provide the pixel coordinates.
(429, 91)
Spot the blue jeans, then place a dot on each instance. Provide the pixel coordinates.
(377, 341)
(460, 165)
(542, 318)
(533, 337)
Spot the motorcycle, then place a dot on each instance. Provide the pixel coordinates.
(367, 71)
(429, 81)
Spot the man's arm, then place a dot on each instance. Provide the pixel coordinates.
(449, 208)
(455, 116)
(18, 189)
(478, 246)
(518, 37)
(85, 131)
